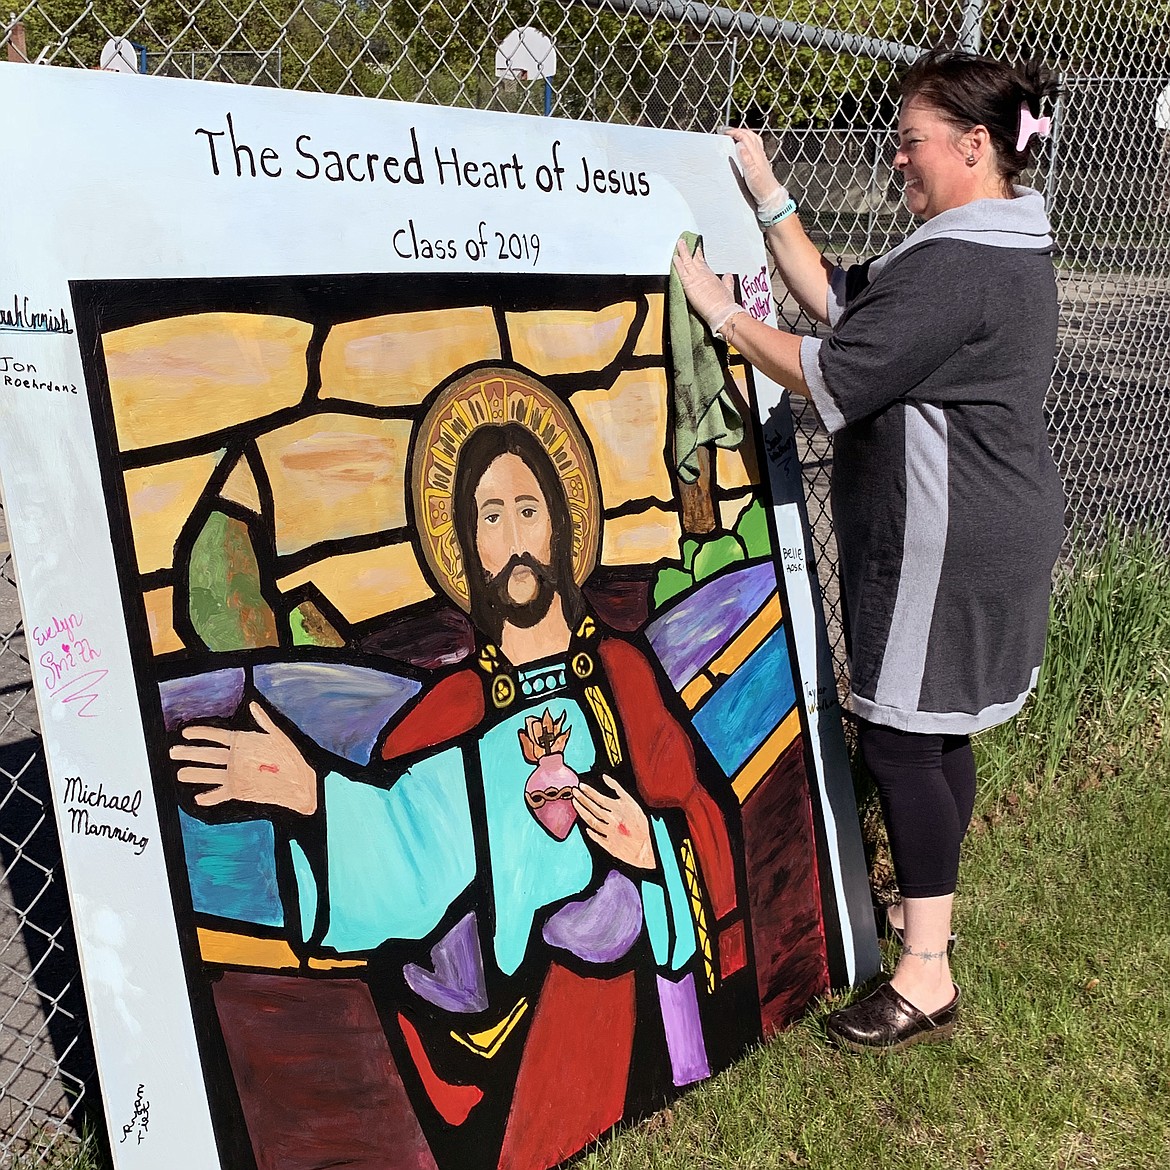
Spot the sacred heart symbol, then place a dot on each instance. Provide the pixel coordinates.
(549, 790)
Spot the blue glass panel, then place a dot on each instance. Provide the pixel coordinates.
(531, 869)
(398, 856)
(342, 707)
(658, 925)
(232, 869)
(748, 705)
(216, 693)
(676, 897)
(306, 889)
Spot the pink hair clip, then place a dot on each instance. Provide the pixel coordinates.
(1030, 125)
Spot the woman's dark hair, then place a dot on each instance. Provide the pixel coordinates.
(967, 90)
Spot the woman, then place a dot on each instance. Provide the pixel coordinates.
(947, 505)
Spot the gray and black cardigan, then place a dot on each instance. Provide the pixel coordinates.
(948, 508)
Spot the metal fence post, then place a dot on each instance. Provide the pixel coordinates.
(971, 29)
(1052, 177)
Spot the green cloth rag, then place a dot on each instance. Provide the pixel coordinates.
(703, 410)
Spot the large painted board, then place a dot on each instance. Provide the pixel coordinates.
(444, 771)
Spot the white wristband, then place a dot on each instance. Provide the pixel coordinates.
(770, 206)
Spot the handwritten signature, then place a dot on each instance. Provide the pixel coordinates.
(141, 1119)
(24, 318)
(757, 294)
(65, 652)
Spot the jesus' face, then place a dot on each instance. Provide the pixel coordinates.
(513, 539)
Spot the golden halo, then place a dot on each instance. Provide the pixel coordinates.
(497, 395)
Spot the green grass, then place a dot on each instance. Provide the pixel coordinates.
(1106, 672)
(1062, 1060)
(49, 1152)
(1063, 1055)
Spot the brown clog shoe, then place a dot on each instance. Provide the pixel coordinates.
(885, 1022)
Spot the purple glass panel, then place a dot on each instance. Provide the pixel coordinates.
(602, 927)
(456, 984)
(342, 707)
(214, 695)
(684, 1030)
(689, 635)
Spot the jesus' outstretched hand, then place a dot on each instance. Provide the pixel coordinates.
(258, 767)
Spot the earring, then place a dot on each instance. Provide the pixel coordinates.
(970, 160)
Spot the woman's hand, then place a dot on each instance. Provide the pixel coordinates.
(768, 192)
(258, 767)
(709, 296)
(617, 823)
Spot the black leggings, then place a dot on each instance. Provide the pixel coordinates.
(926, 785)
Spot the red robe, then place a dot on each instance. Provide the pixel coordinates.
(571, 1085)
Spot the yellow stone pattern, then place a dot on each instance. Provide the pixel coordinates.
(649, 342)
(240, 487)
(160, 499)
(607, 723)
(335, 475)
(397, 360)
(160, 620)
(738, 467)
(766, 755)
(739, 374)
(227, 948)
(367, 584)
(694, 892)
(330, 964)
(731, 510)
(643, 539)
(627, 427)
(569, 341)
(488, 1042)
(764, 622)
(187, 376)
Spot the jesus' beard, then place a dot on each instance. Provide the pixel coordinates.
(522, 615)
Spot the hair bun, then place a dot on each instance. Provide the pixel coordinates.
(1038, 83)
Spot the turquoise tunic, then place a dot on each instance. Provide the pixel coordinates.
(399, 856)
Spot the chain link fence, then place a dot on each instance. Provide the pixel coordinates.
(816, 77)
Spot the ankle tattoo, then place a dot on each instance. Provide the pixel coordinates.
(925, 956)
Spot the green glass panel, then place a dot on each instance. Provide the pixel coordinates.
(717, 554)
(752, 530)
(669, 583)
(310, 627)
(227, 606)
